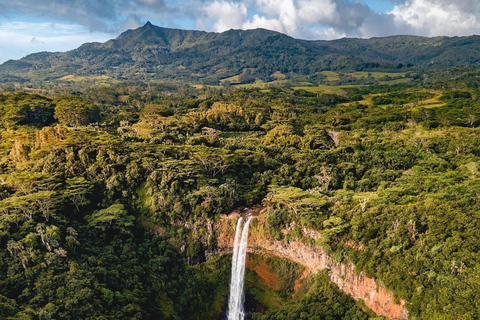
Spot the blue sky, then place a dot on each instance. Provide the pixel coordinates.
(380, 5)
(28, 26)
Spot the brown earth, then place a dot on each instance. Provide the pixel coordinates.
(262, 269)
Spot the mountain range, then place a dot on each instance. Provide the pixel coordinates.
(152, 52)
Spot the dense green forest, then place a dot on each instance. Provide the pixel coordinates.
(107, 192)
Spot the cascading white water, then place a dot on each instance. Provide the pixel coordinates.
(233, 278)
(236, 299)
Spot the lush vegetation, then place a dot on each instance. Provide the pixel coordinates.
(108, 196)
(322, 301)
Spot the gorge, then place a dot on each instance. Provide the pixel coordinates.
(378, 298)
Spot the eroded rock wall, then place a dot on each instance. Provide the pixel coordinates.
(374, 294)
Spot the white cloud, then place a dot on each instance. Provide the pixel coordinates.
(381, 25)
(314, 11)
(308, 19)
(298, 18)
(439, 17)
(97, 15)
(327, 19)
(284, 11)
(265, 23)
(133, 21)
(311, 19)
(327, 33)
(226, 14)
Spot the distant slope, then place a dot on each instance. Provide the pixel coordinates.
(152, 52)
(438, 52)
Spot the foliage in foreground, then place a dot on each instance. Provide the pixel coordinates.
(392, 187)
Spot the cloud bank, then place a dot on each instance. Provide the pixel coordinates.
(329, 19)
(300, 18)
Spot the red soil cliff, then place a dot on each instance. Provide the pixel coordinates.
(374, 294)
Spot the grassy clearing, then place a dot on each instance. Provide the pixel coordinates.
(232, 79)
(331, 75)
(432, 102)
(278, 75)
(395, 78)
(257, 84)
(323, 88)
(367, 100)
(203, 86)
(396, 81)
(377, 75)
(74, 78)
(260, 84)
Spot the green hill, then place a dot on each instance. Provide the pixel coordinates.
(152, 52)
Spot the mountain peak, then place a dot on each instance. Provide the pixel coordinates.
(199, 56)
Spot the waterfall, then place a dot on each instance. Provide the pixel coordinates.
(236, 299)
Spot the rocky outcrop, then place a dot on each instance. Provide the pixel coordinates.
(359, 286)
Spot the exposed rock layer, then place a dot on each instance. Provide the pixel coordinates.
(374, 294)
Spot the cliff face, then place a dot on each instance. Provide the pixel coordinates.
(374, 294)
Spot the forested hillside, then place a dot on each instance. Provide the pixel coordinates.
(155, 53)
(107, 194)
